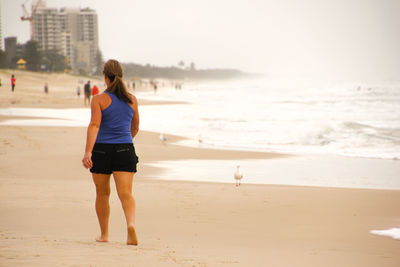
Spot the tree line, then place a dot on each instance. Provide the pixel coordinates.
(48, 60)
(36, 60)
(52, 61)
(179, 72)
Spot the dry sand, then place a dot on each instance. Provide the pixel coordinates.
(48, 218)
(29, 90)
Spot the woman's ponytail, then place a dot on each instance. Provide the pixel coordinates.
(113, 70)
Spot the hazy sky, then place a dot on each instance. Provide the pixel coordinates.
(353, 38)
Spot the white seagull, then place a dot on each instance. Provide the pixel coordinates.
(163, 138)
(238, 175)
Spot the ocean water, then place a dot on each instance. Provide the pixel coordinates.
(351, 119)
(73, 117)
(305, 170)
(359, 121)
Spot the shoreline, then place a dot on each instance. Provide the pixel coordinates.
(178, 159)
(175, 137)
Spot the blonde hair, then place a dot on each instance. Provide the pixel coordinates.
(113, 70)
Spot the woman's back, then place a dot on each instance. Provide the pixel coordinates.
(115, 127)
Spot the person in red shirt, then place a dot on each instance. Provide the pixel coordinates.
(12, 82)
(95, 90)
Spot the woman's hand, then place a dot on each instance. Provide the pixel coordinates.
(87, 160)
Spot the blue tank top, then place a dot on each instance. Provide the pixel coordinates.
(115, 126)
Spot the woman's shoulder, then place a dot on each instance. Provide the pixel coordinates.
(103, 99)
(100, 97)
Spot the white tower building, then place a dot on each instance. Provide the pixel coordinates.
(73, 32)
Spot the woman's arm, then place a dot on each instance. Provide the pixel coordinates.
(92, 131)
(135, 118)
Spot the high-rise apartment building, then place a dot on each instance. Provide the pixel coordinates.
(82, 25)
(67, 49)
(46, 28)
(71, 31)
(88, 34)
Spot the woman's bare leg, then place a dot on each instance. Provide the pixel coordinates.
(102, 182)
(123, 182)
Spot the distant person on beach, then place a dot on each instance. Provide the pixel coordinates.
(88, 93)
(78, 91)
(95, 90)
(155, 87)
(13, 80)
(46, 88)
(133, 85)
(110, 150)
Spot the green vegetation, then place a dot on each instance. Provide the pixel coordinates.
(53, 61)
(151, 72)
(36, 60)
(32, 55)
(3, 60)
(99, 63)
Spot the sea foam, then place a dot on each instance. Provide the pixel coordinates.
(353, 119)
(393, 233)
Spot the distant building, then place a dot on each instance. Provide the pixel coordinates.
(88, 33)
(13, 51)
(1, 30)
(47, 30)
(72, 32)
(67, 49)
(83, 28)
(10, 48)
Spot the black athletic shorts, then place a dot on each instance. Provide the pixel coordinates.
(108, 158)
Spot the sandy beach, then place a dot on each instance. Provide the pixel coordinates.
(48, 217)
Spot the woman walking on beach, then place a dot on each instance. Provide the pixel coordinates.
(110, 150)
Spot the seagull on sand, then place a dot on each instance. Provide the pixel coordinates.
(163, 138)
(238, 175)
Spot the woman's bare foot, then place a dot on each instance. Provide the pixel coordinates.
(102, 239)
(132, 238)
